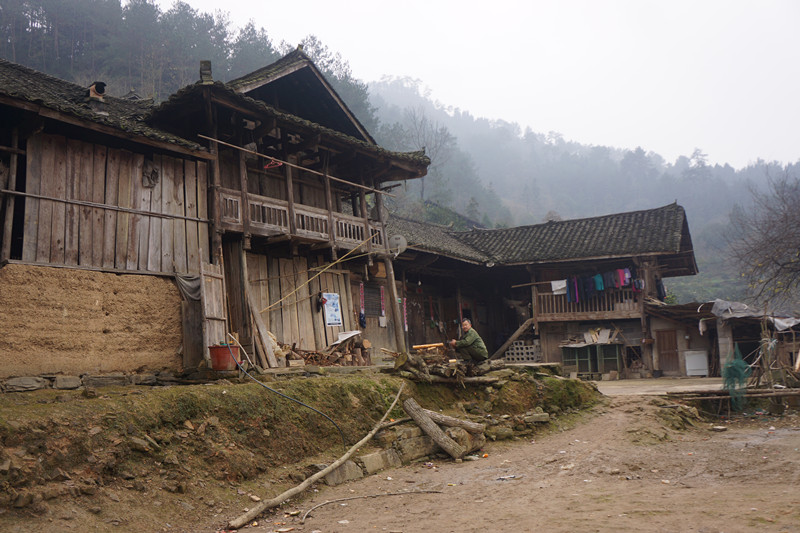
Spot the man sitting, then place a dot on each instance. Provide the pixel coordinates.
(471, 346)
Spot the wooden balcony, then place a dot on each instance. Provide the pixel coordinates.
(269, 217)
(604, 305)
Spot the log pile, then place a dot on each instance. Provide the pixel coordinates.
(458, 438)
(436, 363)
(355, 351)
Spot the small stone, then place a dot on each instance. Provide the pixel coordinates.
(255, 498)
(188, 425)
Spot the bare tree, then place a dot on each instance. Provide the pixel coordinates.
(437, 141)
(765, 240)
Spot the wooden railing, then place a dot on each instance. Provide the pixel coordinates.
(270, 216)
(610, 303)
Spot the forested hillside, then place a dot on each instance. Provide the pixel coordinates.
(494, 173)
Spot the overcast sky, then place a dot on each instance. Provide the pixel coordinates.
(669, 76)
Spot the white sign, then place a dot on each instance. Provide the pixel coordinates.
(333, 312)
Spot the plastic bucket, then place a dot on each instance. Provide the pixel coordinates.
(221, 357)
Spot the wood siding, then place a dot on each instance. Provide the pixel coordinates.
(74, 219)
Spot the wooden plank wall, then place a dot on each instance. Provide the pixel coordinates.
(295, 320)
(63, 233)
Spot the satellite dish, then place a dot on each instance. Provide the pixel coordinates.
(397, 244)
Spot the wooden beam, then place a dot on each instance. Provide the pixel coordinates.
(525, 325)
(299, 167)
(5, 252)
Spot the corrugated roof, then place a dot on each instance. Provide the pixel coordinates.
(649, 231)
(23, 83)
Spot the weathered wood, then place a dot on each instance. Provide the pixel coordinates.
(58, 189)
(33, 180)
(261, 330)
(274, 284)
(192, 238)
(430, 428)
(274, 502)
(11, 185)
(179, 225)
(112, 185)
(289, 314)
(46, 187)
(449, 421)
(124, 199)
(202, 208)
(71, 192)
(520, 330)
(98, 197)
(305, 309)
(136, 220)
(167, 190)
(85, 180)
(156, 204)
(145, 203)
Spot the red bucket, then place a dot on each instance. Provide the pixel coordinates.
(221, 357)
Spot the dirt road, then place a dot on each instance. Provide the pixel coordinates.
(624, 468)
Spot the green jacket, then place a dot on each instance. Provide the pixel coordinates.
(471, 344)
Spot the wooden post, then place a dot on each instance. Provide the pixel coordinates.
(290, 199)
(5, 253)
(216, 182)
(399, 329)
(365, 215)
(329, 207)
(261, 337)
(245, 201)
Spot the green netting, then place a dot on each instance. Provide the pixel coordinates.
(734, 378)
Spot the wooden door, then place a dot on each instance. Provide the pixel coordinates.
(667, 343)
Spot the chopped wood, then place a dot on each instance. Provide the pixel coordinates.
(274, 502)
(426, 424)
(427, 346)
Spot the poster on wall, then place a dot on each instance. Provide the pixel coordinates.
(333, 312)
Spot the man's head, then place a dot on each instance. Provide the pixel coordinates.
(466, 324)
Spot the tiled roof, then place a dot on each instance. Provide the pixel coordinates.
(435, 239)
(23, 83)
(649, 231)
(295, 57)
(189, 93)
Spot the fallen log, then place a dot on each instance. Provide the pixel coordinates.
(277, 500)
(454, 449)
(450, 421)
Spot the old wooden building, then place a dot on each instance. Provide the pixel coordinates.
(135, 235)
(579, 287)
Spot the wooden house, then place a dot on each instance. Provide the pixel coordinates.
(134, 235)
(558, 280)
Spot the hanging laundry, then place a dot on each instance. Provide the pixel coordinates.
(559, 286)
(598, 282)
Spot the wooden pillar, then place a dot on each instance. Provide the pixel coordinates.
(724, 341)
(290, 196)
(5, 253)
(245, 201)
(329, 206)
(399, 323)
(365, 215)
(214, 201)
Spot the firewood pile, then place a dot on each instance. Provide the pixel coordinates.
(438, 363)
(354, 351)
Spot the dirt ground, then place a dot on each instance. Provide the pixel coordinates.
(620, 469)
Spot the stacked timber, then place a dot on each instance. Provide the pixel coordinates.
(355, 351)
(438, 364)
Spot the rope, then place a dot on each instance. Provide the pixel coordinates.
(319, 273)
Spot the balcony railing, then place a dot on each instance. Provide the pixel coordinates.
(270, 216)
(610, 303)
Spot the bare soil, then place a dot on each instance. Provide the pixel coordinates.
(624, 468)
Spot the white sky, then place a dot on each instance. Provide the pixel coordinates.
(669, 75)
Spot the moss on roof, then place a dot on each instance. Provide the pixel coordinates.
(23, 83)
